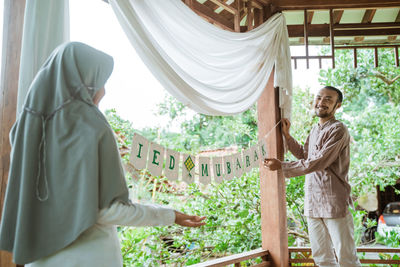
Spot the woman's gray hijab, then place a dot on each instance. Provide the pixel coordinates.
(64, 161)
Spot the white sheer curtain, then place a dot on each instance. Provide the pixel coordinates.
(211, 70)
(46, 25)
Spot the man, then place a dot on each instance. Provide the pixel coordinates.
(325, 160)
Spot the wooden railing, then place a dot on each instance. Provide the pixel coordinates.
(301, 256)
(238, 258)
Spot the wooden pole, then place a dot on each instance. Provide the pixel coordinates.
(272, 184)
(332, 35)
(11, 51)
(306, 38)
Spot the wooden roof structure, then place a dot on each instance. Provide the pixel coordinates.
(340, 24)
(350, 23)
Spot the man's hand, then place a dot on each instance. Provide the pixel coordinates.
(272, 164)
(188, 220)
(286, 127)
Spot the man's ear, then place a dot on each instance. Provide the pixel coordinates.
(338, 105)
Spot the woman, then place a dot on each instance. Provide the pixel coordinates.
(66, 188)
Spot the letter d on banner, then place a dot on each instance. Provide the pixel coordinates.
(172, 165)
(139, 151)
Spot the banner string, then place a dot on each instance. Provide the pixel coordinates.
(270, 131)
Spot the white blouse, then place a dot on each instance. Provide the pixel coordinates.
(99, 245)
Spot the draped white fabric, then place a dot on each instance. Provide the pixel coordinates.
(46, 25)
(212, 71)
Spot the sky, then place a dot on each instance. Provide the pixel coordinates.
(132, 90)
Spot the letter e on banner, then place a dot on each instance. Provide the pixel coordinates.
(218, 171)
(172, 161)
(229, 167)
(156, 159)
(205, 170)
(139, 151)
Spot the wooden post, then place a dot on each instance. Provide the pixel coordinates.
(11, 51)
(250, 15)
(306, 38)
(355, 57)
(272, 184)
(236, 19)
(332, 36)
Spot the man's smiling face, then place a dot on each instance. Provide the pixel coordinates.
(326, 103)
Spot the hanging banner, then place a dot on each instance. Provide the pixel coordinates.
(156, 159)
(204, 170)
(229, 167)
(217, 166)
(172, 161)
(247, 160)
(188, 167)
(139, 151)
(238, 164)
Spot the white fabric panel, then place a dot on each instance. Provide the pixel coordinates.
(172, 161)
(229, 167)
(139, 151)
(205, 170)
(46, 26)
(212, 71)
(156, 159)
(218, 170)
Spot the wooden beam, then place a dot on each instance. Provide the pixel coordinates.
(211, 16)
(368, 15)
(224, 6)
(256, 4)
(392, 38)
(355, 58)
(379, 25)
(333, 4)
(236, 19)
(322, 30)
(337, 16)
(13, 21)
(332, 37)
(310, 15)
(272, 183)
(376, 59)
(250, 15)
(396, 55)
(306, 37)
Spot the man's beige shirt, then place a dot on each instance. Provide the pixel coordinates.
(325, 160)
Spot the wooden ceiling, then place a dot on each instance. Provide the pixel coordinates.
(354, 22)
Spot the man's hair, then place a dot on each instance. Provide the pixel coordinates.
(340, 94)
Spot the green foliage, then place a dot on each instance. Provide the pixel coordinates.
(200, 132)
(233, 225)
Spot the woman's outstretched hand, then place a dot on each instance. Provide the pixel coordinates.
(188, 220)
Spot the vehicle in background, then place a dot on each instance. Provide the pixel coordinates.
(389, 221)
